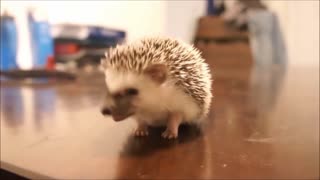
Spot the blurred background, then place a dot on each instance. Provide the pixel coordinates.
(79, 31)
(264, 121)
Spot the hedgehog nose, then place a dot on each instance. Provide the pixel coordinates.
(105, 111)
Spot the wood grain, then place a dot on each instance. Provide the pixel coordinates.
(269, 129)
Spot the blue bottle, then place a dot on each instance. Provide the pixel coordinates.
(41, 40)
(210, 7)
(8, 46)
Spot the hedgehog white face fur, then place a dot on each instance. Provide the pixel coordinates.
(156, 79)
(148, 96)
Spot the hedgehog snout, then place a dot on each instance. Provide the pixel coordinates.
(118, 112)
(105, 111)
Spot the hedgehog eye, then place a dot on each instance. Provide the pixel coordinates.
(117, 95)
(132, 91)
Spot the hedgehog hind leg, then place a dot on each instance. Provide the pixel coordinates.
(173, 124)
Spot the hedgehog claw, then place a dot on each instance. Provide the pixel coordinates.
(168, 134)
(139, 132)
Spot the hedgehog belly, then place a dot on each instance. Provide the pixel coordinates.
(153, 118)
(174, 100)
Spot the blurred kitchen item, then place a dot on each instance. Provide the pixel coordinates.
(227, 50)
(215, 7)
(8, 42)
(83, 45)
(50, 63)
(37, 74)
(266, 39)
(82, 32)
(214, 29)
(223, 46)
(244, 20)
(235, 14)
(41, 40)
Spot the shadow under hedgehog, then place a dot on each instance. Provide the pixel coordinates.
(159, 81)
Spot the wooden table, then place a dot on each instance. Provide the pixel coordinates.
(269, 130)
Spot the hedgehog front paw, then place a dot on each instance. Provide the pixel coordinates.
(169, 134)
(141, 131)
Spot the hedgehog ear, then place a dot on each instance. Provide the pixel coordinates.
(157, 72)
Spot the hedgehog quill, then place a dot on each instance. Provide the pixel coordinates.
(157, 81)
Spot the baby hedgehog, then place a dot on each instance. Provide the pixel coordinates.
(159, 82)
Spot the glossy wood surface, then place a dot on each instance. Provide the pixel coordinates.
(265, 127)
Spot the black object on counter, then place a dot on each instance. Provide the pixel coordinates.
(22, 74)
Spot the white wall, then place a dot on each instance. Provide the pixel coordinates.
(300, 24)
(182, 17)
(137, 17)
